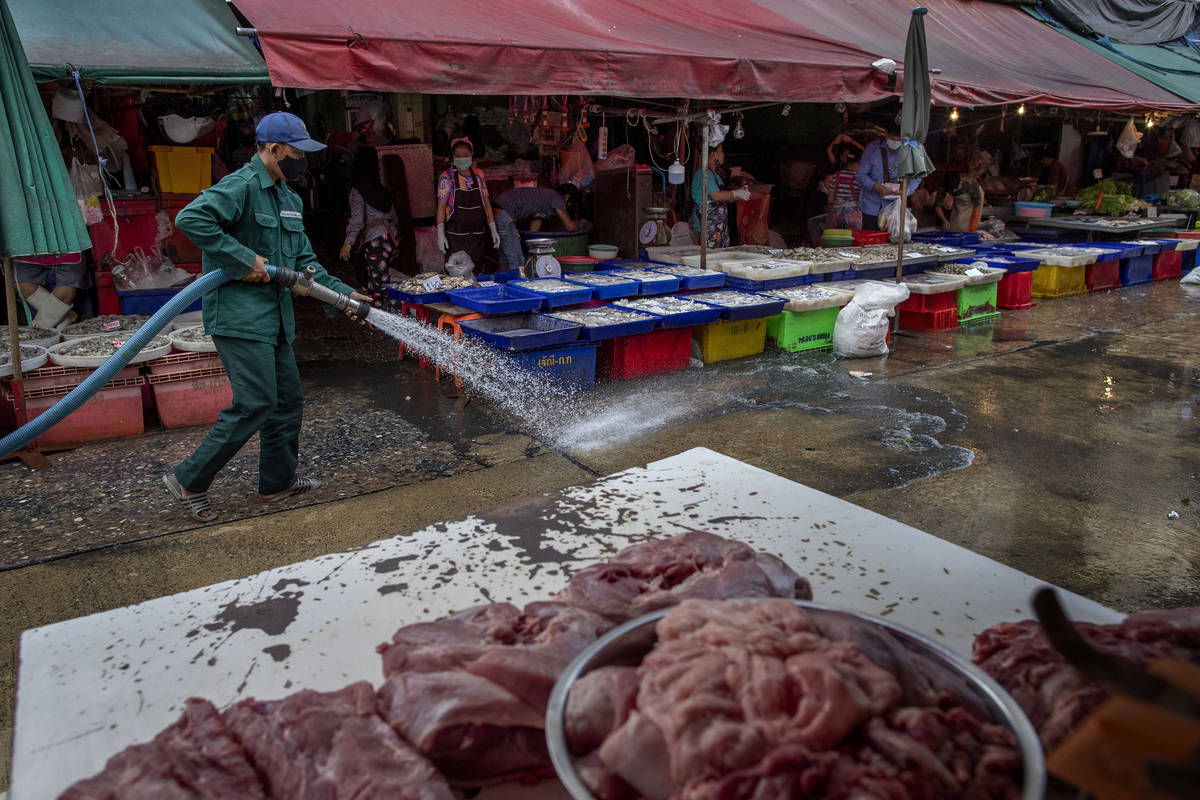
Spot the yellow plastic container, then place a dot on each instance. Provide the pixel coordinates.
(720, 341)
(1050, 281)
(183, 170)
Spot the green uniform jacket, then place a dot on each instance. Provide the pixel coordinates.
(247, 213)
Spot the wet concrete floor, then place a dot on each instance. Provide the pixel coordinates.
(1055, 440)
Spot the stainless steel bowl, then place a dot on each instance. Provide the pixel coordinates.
(628, 644)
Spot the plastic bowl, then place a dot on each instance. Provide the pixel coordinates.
(603, 252)
(627, 645)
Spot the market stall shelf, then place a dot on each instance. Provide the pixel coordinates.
(89, 687)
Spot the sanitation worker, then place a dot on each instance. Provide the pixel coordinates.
(252, 218)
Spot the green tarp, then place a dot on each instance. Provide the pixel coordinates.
(1174, 67)
(38, 210)
(914, 111)
(136, 41)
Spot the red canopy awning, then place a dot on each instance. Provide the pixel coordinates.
(769, 50)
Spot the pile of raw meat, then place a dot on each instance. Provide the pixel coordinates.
(1056, 696)
(767, 700)
(463, 702)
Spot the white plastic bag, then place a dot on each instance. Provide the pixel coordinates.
(619, 158)
(1192, 278)
(1130, 138)
(889, 219)
(460, 265)
(862, 324)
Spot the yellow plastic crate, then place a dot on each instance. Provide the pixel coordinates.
(183, 170)
(720, 341)
(1050, 281)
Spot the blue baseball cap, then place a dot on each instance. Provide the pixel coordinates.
(284, 128)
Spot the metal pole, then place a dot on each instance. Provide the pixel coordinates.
(704, 196)
(900, 244)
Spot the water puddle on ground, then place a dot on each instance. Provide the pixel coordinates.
(910, 423)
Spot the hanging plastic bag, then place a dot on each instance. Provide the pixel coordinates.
(577, 167)
(88, 187)
(889, 220)
(620, 158)
(1130, 138)
(862, 325)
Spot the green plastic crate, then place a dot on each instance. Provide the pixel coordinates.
(977, 303)
(797, 331)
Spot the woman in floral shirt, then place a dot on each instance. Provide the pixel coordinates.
(464, 211)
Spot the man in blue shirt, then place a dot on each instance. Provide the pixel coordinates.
(878, 177)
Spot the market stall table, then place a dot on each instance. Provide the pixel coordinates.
(89, 687)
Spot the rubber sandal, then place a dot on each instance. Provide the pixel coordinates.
(197, 504)
(301, 486)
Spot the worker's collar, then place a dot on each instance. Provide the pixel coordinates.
(265, 180)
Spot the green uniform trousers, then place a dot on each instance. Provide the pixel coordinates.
(266, 400)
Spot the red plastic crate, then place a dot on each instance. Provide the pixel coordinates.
(925, 303)
(139, 227)
(930, 320)
(646, 354)
(865, 238)
(1015, 291)
(106, 415)
(110, 302)
(1103, 275)
(192, 398)
(1167, 266)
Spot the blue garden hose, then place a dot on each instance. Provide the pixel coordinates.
(299, 283)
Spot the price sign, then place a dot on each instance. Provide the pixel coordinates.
(432, 284)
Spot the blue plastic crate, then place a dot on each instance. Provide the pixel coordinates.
(611, 291)
(768, 308)
(880, 273)
(1189, 261)
(686, 319)
(571, 365)
(692, 283)
(498, 299)
(147, 301)
(594, 333)
(758, 286)
(668, 284)
(503, 275)
(1137, 270)
(1005, 261)
(527, 331)
(632, 263)
(413, 298)
(1151, 247)
(557, 299)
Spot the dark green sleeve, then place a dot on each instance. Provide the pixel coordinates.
(206, 219)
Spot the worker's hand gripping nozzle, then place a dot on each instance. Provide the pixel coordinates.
(303, 284)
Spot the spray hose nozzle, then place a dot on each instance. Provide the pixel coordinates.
(302, 283)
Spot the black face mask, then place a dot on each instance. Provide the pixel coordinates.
(293, 168)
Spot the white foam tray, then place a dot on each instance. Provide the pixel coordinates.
(811, 298)
(928, 283)
(717, 259)
(27, 364)
(1052, 258)
(765, 269)
(52, 338)
(148, 353)
(990, 275)
(191, 347)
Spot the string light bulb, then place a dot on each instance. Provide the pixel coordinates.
(954, 115)
(1021, 110)
(1149, 122)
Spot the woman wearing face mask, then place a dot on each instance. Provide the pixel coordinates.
(718, 197)
(464, 212)
(878, 177)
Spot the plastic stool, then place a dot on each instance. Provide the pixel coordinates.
(419, 313)
(451, 321)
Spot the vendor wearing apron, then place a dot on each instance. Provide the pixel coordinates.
(249, 219)
(464, 212)
(718, 196)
